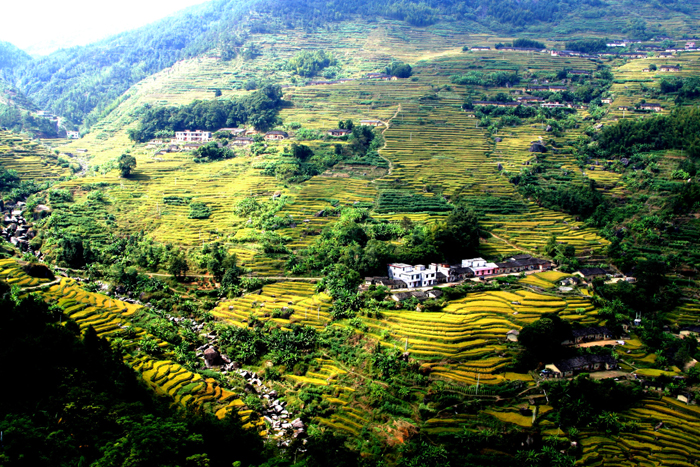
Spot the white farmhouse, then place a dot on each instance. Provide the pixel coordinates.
(196, 136)
(413, 276)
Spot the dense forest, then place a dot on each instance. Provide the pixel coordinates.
(11, 57)
(679, 130)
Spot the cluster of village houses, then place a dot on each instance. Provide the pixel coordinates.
(642, 50)
(192, 139)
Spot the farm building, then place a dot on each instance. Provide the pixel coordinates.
(669, 68)
(73, 134)
(566, 368)
(480, 49)
(276, 135)
(607, 100)
(196, 136)
(339, 132)
(652, 107)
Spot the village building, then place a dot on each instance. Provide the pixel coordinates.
(552, 105)
(196, 136)
(339, 132)
(276, 135)
(385, 282)
(669, 68)
(607, 100)
(520, 263)
(690, 45)
(652, 107)
(73, 134)
(567, 368)
(666, 55)
(233, 131)
(589, 334)
(496, 103)
(480, 49)
(242, 141)
(413, 276)
(371, 122)
(480, 267)
(530, 99)
(617, 44)
(633, 55)
(591, 273)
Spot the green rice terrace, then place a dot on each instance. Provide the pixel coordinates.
(492, 260)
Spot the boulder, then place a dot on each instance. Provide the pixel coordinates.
(298, 423)
(498, 139)
(549, 128)
(538, 147)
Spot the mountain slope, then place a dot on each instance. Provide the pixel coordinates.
(80, 83)
(12, 57)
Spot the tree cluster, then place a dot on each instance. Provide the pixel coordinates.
(258, 109)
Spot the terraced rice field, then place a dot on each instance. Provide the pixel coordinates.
(29, 159)
(12, 273)
(306, 306)
(676, 443)
(465, 342)
(110, 318)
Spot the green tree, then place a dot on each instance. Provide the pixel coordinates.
(126, 164)
(178, 264)
(458, 236)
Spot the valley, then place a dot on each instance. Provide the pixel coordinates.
(244, 281)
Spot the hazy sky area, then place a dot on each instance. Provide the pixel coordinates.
(42, 26)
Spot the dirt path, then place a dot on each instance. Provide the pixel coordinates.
(508, 243)
(388, 124)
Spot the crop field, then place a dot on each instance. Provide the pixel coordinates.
(298, 299)
(111, 318)
(12, 273)
(29, 159)
(465, 342)
(675, 443)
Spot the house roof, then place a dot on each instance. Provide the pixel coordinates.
(589, 331)
(280, 133)
(578, 363)
(587, 272)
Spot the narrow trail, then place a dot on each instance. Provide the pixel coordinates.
(508, 243)
(387, 124)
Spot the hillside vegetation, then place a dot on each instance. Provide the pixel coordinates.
(228, 278)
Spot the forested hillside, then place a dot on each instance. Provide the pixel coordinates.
(11, 57)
